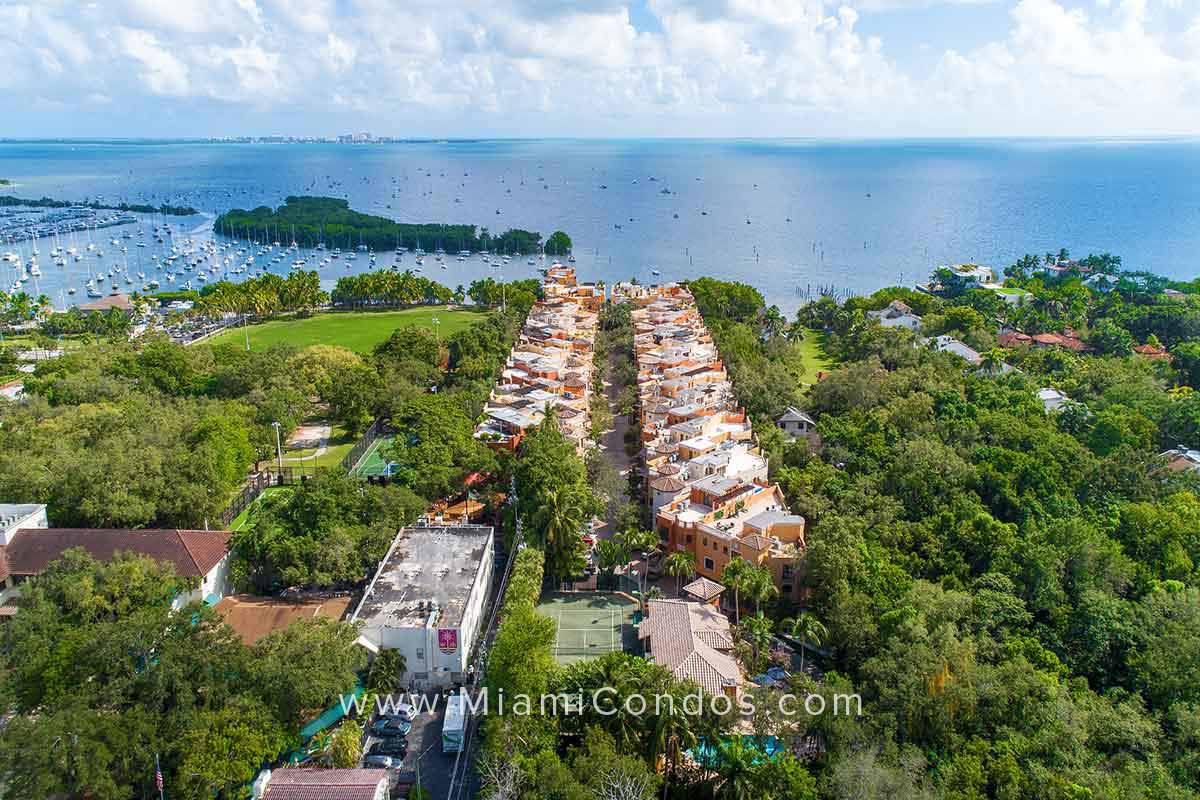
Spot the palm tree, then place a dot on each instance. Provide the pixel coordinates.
(806, 628)
(992, 360)
(757, 631)
(735, 765)
(559, 514)
(672, 734)
(44, 307)
(773, 322)
(736, 576)
(644, 542)
(20, 305)
(762, 587)
(557, 523)
(611, 553)
(679, 564)
(644, 598)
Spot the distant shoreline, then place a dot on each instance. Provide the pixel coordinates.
(136, 208)
(1149, 138)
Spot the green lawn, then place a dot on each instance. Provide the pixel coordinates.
(815, 358)
(357, 330)
(241, 519)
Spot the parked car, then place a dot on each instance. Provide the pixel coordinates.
(393, 726)
(396, 747)
(380, 762)
(402, 711)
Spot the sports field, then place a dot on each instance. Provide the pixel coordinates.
(356, 330)
(590, 624)
(372, 463)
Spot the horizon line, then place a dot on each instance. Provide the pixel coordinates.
(390, 139)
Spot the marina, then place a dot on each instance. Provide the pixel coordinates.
(75, 255)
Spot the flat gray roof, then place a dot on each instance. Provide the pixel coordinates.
(425, 563)
(18, 511)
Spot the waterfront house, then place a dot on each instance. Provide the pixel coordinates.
(897, 314)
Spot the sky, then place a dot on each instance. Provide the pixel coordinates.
(600, 68)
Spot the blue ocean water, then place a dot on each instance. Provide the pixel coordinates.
(786, 216)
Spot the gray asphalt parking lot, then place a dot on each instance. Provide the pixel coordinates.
(425, 746)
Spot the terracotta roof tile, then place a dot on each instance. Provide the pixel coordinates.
(289, 783)
(704, 589)
(690, 640)
(192, 553)
(667, 483)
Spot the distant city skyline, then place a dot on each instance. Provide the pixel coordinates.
(600, 68)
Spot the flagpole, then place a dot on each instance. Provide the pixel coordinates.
(158, 778)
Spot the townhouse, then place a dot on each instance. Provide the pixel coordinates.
(550, 365)
(705, 477)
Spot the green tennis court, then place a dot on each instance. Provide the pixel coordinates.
(590, 624)
(372, 463)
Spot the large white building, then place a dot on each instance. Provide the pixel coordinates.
(427, 600)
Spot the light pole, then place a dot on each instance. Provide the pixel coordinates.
(278, 448)
(437, 324)
(417, 765)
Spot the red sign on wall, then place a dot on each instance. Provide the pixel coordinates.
(448, 640)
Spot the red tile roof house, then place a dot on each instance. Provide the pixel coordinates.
(1149, 351)
(694, 642)
(1067, 339)
(28, 547)
(297, 783)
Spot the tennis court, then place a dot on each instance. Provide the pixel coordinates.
(373, 464)
(590, 624)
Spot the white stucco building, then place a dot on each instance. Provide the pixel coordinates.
(427, 600)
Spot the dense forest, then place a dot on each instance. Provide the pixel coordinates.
(310, 221)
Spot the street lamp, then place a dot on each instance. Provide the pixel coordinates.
(437, 324)
(278, 448)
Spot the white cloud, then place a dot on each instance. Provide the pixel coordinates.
(1109, 72)
(161, 71)
(710, 67)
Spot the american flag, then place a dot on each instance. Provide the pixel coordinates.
(158, 781)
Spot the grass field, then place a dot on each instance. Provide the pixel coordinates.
(356, 330)
(815, 358)
(588, 625)
(241, 519)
